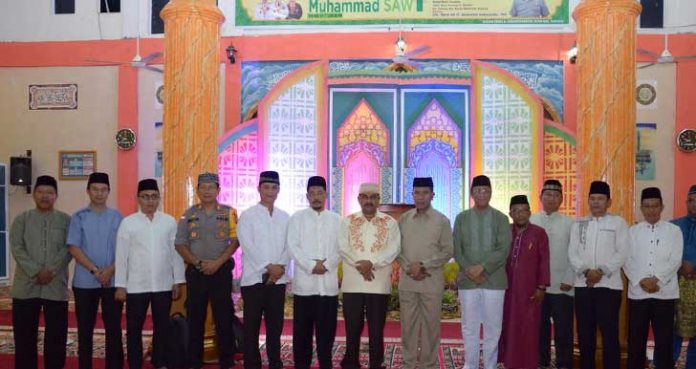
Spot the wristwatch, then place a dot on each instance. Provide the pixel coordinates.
(199, 265)
(94, 271)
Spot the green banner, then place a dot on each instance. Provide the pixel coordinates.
(356, 12)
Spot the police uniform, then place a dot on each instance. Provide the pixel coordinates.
(208, 236)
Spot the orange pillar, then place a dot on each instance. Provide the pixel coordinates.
(191, 98)
(606, 125)
(191, 111)
(606, 79)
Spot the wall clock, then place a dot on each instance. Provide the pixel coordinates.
(125, 139)
(686, 140)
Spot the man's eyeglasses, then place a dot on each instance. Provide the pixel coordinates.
(149, 197)
(362, 196)
(481, 190)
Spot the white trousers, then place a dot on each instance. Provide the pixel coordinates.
(481, 306)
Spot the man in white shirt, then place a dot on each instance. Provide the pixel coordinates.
(599, 246)
(313, 244)
(651, 269)
(262, 232)
(148, 273)
(368, 241)
(558, 300)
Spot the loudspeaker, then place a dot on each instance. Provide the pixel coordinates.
(652, 14)
(20, 171)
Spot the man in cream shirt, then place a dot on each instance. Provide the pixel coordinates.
(558, 300)
(313, 244)
(369, 241)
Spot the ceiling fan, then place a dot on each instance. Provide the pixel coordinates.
(137, 61)
(402, 62)
(665, 57)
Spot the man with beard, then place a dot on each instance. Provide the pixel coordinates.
(313, 244)
(528, 276)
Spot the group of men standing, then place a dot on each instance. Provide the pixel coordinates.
(513, 279)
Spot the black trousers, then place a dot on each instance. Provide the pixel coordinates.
(598, 307)
(357, 307)
(310, 312)
(136, 311)
(25, 325)
(267, 302)
(641, 314)
(86, 302)
(216, 288)
(558, 307)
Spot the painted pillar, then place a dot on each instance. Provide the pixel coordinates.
(191, 98)
(606, 80)
(191, 111)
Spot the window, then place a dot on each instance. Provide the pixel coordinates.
(64, 6)
(157, 24)
(110, 6)
(652, 14)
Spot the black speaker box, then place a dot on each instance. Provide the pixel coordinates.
(20, 171)
(652, 14)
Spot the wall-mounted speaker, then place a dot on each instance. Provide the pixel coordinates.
(20, 171)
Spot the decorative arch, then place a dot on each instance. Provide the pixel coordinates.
(507, 134)
(362, 149)
(434, 150)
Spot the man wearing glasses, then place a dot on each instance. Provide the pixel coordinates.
(148, 273)
(206, 238)
(481, 243)
(368, 242)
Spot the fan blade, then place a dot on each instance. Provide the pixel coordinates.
(154, 69)
(416, 51)
(415, 64)
(104, 62)
(685, 57)
(151, 57)
(646, 65)
(648, 53)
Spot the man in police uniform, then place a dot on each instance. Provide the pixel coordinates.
(206, 238)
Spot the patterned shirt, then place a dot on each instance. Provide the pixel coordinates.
(37, 241)
(377, 240)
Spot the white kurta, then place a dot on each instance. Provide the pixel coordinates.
(146, 260)
(378, 241)
(656, 251)
(557, 227)
(262, 237)
(313, 236)
(599, 243)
